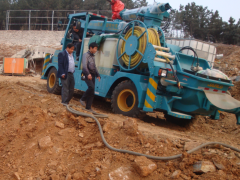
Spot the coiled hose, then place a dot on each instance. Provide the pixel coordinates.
(153, 39)
(136, 153)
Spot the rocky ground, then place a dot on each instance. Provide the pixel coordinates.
(41, 140)
(230, 63)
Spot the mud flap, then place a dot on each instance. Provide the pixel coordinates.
(222, 101)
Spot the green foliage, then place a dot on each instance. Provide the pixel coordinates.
(201, 23)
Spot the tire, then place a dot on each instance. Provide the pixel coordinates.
(125, 99)
(53, 82)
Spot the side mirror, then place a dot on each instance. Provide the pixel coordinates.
(78, 25)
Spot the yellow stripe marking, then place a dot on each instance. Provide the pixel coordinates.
(153, 83)
(151, 95)
(47, 60)
(147, 104)
(44, 67)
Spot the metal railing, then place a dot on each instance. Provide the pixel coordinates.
(52, 17)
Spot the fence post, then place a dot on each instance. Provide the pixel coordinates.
(29, 20)
(52, 19)
(7, 19)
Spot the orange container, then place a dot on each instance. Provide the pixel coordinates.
(15, 65)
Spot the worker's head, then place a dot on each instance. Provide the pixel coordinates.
(75, 27)
(93, 47)
(70, 48)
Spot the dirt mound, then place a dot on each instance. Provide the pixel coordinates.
(40, 139)
(230, 63)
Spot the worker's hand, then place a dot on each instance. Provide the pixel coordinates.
(99, 79)
(90, 77)
(63, 76)
(80, 40)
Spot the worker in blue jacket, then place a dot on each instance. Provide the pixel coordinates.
(66, 68)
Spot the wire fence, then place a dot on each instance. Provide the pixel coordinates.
(43, 19)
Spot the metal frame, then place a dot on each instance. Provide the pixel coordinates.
(8, 17)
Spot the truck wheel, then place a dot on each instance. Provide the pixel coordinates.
(53, 82)
(125, 99)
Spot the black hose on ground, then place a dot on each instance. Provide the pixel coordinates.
(136, 153)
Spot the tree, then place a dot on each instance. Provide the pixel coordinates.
(140, 3)
(4, 6)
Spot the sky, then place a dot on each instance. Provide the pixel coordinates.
(226, 8)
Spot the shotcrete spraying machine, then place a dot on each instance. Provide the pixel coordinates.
(140, 71)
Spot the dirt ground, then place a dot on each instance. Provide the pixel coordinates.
(230, 63)
(41, 140)
(29, 113)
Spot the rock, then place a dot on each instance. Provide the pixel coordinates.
(66, 131)
(185, 177)
(176, 174)
(222, 173)
(16, 176)
(99, 144)
(68, 177)
(237, 79)
(41, 172)
(144, 166)
(59, 124)
(28, 178)
(203, 167)
(219, 56)
(219, 166)
(130, 127)
(44, 100)
(147, 145)
(54, 177)
(92, 145)
(53, 164)
(233, 78)
(77, 176)
(167, 174)
(190, 145)
(55, 110)
(238, 155)
(45, 142)
(89, 120)
(80, 135)
(122, 173)
(82, 123)
(107, 127)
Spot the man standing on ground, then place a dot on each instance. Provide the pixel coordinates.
(66, 68)
(90, 72)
